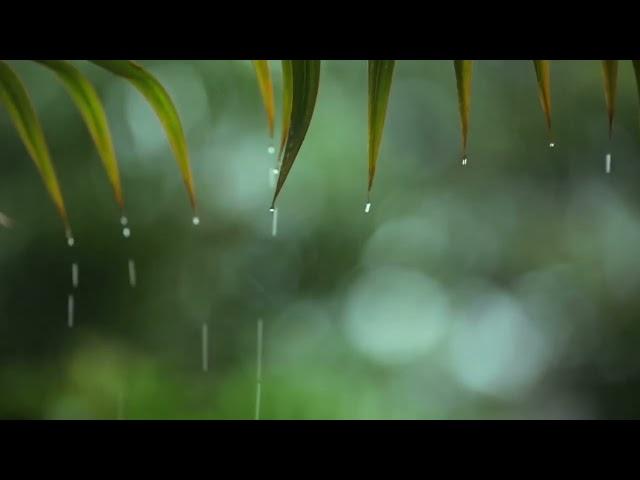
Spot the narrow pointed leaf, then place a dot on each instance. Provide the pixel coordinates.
(166, 111)
(380, 79)
(610, 71)
(15, 98)
(263, 72)
(543, 74)
(86, 98)
(287, 103)
(464, 74)
(305, 76)
(636, 69)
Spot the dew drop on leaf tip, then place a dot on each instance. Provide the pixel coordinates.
(196, 220)
(552, 145)
(465, 160)
(126, 232)
(367, 207)
(70, 240)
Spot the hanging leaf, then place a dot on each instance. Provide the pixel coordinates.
(287, 103)
(263, 72)
(305, 76)
(380, 78)
(543, 74)
(166, 111)
(464, 71)
(636, 69)
(15, 98)
(610, 71)
(86, 99)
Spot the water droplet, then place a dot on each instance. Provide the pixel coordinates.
(465, 160)
(70, 239)
(74, 275)
(132, 273)
(123, 220)
(274, 222)
(367, 207)
(552, 145)
(196, 220)
(608, 163)
(70, 310)
(205, 347)
(126, 232)
(271, 150)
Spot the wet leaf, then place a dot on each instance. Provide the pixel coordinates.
(287, 103)
(305, 75)
(166, 111)
(610, 71)
(464, 74)
(86, 99)
(543, 74)
(14, 96)
(263, 72)
(380, 79)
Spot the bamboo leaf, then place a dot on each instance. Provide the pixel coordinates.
(86, 99)
(610, 71)
(15, 98)
(543, 74)
(305, 75)
(464, 74)
(380, 79)
(166, 111)
(263, 72)
(287, 103)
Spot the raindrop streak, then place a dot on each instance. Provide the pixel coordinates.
(274, 222)
(196, 220)
(74, 275)
(70, 310)
(132, 273)
(205, 347)
(608, 163)
(465, 160)
(259, 369)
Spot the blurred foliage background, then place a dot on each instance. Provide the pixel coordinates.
(504, 289)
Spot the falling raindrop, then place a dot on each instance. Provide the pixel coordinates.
(132, 273)
(367, 207)
(70, 310)
(205, 347)
(196, 220)
(259, 369)
(608, 163)
(274, 222)
(70, 240)
(74, 275)
(552, 145)
(465, 160)
(123, 220)
(271, 150)
(126, 232)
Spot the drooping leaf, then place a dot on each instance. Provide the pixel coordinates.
(166, 111)
(636, 69)
(15, 98)
(305, 76)
(464, 74)
(543, 74)
(86, 99)
(287, 103)
(380, 79)
(610, 71)
(263, 72)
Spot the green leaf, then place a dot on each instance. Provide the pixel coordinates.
(305, 76)
(263, 72)
(166, 111)
(610, 71)
(287, 103)
(15, 98)
(464, 73)
(380, 79)
(543, 74)
(86, 99)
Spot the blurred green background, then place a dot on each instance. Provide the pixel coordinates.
(507, 288)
